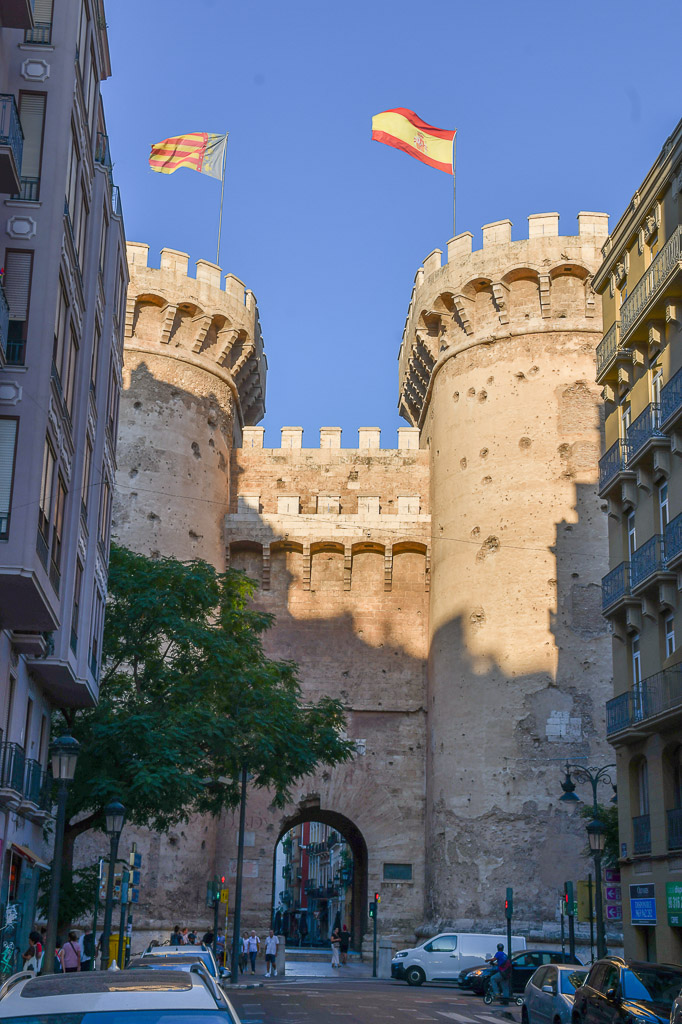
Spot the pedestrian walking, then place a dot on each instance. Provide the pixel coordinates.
(500, 982)
(33, 957)
(184, 940)
(271, 944)
(345, 945)
(70, 954)
(86, 945)
(175, 939)
(253, 948)
(243, 952)
(207, 937)
(336, 944)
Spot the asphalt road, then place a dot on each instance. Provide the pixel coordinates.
(322, 1001)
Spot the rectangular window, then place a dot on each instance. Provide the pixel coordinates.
(103, 242)
(112, 402)
(45, 501)
(95, 357)
(669, 626)
(60, 321)
(42, 743)
(27, 725)
(663, 508)
(72, 174)
(80, 226)
(632, 536)
(105, 512)
(32, 117)
(17, 284)
(653, 249)
(8, 450)
(87, 470)
(93, 80)
(83, 36)
(75, 612)
(96, 632)
(636, 660)
(41, 33)
(398, 872)
(643, 779)
(58, 526)
(69, 375)
(624, 420)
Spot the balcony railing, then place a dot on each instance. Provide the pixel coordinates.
(644, 428)
(4, 320)
(33, 781)
(29, 191)
(103, 154)
(652, 696)
(641, 834)
(675, 829)
(607, 347)
(673, 539)
(615, 585)
(671, 397)
(647, 560)
(40, 34)
(10, 127)
(651, 283)
(12, 765)
(613, 462)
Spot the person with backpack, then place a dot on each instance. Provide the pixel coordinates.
(86, 944)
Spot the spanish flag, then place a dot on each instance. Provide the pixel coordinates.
(402, 129)
(200, 151)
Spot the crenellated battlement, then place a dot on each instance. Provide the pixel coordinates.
(369, 439)
(201, 320)
(505, 288)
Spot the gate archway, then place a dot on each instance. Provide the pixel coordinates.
(358, 849)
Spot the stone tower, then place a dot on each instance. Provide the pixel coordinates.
(497, 369)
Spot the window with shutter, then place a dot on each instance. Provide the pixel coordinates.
(18, 271)
(42, 20)
(8, 447)
(32, 117)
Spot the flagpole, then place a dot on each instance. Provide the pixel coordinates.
(222, 194)
(454, 186)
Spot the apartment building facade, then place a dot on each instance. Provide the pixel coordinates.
(639, 365)
(62, 306)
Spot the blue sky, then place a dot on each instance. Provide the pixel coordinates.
(558, 107)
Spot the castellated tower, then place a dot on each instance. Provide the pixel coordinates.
(497, 370)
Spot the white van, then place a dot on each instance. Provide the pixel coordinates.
(444, 956)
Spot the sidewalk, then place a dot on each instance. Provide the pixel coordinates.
(311, 970)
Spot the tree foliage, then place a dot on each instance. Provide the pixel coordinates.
(608, 815)
(187, 697)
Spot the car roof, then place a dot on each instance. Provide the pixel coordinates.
(621, 961)
(104, 991)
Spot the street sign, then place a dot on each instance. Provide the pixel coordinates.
(224, 894)
(134, 895)
(611, 876)
(583, 914)
(614, 894)
(136, 877)
(673, 903)
(135, 860)
(614, 911)
(643, 904)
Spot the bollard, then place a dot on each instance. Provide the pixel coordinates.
(385, 957)
(281, 959)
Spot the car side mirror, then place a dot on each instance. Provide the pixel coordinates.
(548, 989)
(613, 995)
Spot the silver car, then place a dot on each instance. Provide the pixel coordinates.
(548, 996)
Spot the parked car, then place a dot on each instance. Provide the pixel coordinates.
(166, 963)
(618, 990)
(443, 957)
(524, 964)
(549, 994)
(186, 954)
(129, 997)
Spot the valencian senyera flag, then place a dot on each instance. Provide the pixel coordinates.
(402, 129)
(200, 151)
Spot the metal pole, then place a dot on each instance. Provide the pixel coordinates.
(216, 907)
(96, 914)
(563, 930)
(234, 974)
(454, 186)
(591, 908)
(122, 926)
(222, 193)
(109, 905)
(571, 937)
(374, 940)
(601, 938)
(509, 944)
(56, 880)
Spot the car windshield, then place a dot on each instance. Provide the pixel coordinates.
(175, 960)
(655, 985)
(571, 980)
(126, 1017)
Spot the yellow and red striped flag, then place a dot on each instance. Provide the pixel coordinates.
(402, 129)
(200, 151)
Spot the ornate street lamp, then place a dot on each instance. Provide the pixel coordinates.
(64, 753)
(596, 833)
(114, 814)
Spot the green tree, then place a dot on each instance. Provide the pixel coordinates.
(187, 696)
(608, 815)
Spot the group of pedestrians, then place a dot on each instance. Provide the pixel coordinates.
(250, 948)
(340, 941)
(76, 954)
(190, 937)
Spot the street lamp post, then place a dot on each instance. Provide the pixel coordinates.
(114, 814)
(234, 966)
(596, 831)
(64, 757)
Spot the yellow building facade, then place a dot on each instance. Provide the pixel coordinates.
(639, 365)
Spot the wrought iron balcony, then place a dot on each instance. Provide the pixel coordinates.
(653, 696)
(651, 284)
(641, 834)
(12, 768)
(673, 542)
(671, 399)
(33, 781)
(613, 462)
(11, 144)
(4, 321)
(647, 427)
(29, 190)
(40, 34)
(615, 586)
(607, 347)
(647, 560)
(675, 828)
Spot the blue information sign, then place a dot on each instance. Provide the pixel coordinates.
(643, 904)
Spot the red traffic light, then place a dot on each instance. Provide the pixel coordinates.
(222, 879)
(377, 897)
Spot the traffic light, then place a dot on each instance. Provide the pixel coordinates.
(568, 899)
(222, 879)
(372, 909)
(509, 904)
(377, 897)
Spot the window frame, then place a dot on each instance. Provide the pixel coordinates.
(4, 534)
